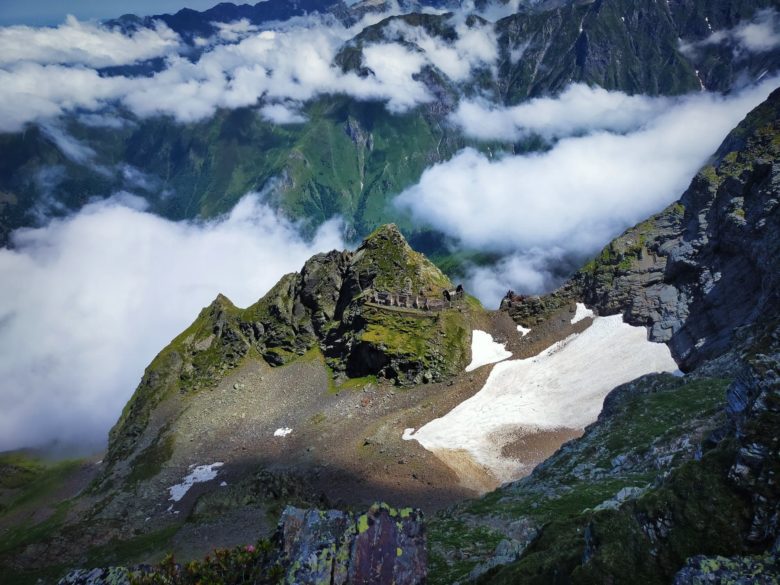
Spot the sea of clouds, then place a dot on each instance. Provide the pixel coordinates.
(87, 300)
(617, 160)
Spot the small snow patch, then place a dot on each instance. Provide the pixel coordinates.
(282, 432)
(485, 351)
(523, 330)
(581, 313)
(200, 474)
(408, 434)
(223, 484)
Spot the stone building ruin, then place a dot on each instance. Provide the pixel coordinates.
(407, 300)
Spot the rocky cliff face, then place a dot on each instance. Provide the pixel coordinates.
(704, 270)
(626, 45)
(709, 264)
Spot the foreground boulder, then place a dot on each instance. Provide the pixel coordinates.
(384, 546)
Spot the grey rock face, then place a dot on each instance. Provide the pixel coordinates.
(704, 270)
(107, 576)
(315, 544)
(702, 570)
(384, 546)
(523, 532)
(754, 407)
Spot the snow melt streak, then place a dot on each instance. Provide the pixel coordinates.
(561, 388)
(200, 474)
(485, 351)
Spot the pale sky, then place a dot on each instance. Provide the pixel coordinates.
(49, 12)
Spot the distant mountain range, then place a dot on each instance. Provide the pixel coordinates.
(351, 157)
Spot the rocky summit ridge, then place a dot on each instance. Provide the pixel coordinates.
(378, 311)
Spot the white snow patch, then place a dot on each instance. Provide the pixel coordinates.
(485, 351)
(581, 313)
(523, 330)
(200, 474)
(223, 484)
(561, 388)
(282, 432)
(408, 434)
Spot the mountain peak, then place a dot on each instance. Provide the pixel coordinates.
(385, 232)
(391, 265)
(384, 311)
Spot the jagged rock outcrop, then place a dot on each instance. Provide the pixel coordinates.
(329, 306)
(710, 263)
(703, 268)
(107, 576)
(754, 408)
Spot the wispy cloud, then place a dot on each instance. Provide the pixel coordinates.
(580, 109)
(758, 35)
(84, 43)
(87, 302)
(241, 66)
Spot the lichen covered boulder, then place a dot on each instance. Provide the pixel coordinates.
(107, 576)
(384, 546)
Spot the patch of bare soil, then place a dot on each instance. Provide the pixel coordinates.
(532, 447)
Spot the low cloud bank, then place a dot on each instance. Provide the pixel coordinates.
(85, 43)
(579, 109)
(49, 71)
(87, 302)
(541, 209)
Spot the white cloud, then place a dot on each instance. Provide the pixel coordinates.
(759, 35)
(532, 271)
(87, 302)
(29, 91)
(239, 67)
(474, 46)
(69, 146)
(497, 10)
(234, 31)
(572, 199)
(90, 44)
(281, 114)
(276, 66)
(577, 110)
